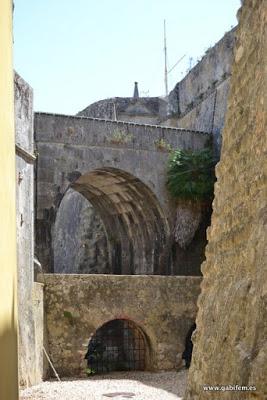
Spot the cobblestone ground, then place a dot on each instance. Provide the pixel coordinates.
(117, 386)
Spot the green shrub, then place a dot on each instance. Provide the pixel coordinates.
(191, 175)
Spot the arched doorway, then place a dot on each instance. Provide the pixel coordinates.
(118, 345)
(132, 231)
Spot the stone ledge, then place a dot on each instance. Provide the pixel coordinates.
(159, 127)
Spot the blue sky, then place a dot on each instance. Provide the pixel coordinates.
(76, 52)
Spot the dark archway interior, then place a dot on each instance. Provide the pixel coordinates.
(135, 226)
(119, 345)
(187, 354)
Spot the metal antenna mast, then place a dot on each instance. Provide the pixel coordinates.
(166, 72)
(165, 55)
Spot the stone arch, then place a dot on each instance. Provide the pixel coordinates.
(134, 224)
(118, 344)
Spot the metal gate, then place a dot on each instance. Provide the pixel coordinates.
(119, 345)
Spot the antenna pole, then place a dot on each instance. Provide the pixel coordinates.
(165, 57)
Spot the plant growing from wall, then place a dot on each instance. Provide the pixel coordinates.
(120, 136)
(190, 180)
(162, 145)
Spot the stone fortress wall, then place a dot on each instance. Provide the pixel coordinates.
(199, 100)
(230, 342)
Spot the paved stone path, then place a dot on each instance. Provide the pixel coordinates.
(117, 386)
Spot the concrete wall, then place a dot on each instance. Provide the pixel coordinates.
(76, 305)
(230, 342)
(8, 279)
(70, 147)
(29, 326)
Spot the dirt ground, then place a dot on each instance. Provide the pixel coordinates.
(116, 385)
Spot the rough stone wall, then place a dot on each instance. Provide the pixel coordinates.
(79, 238)
(76, 305)
(199, 101)
(230, 342)
(29, 353)
(72, 146)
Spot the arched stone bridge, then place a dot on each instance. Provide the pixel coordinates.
(121, 169)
